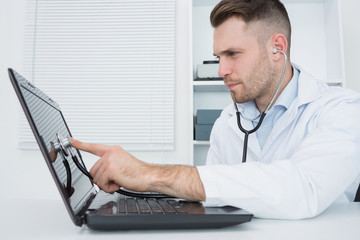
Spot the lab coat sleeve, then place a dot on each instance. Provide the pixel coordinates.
(213, 153)
(323, 166)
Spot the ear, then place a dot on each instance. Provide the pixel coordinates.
(279, 42)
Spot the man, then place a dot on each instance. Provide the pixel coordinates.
(304, 156)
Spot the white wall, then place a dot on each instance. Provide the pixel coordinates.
(24, 173)
(20, 171)
(351, 36)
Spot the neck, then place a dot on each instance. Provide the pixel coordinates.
(263, 103)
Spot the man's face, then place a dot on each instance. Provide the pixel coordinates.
(244, 65)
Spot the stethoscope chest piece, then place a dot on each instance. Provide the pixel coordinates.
(61, 145)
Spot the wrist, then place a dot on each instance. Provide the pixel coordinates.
(179, 181)
(155, 178)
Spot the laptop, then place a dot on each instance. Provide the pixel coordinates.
(85, 203)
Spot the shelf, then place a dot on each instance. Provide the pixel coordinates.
(334, 84)
(210, 86)
(201, 143)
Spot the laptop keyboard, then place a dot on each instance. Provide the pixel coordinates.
(119, 204)
(149, 206)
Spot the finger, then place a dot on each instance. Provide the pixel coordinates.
(103, 181)
(112, 187)
(95, 168)
(102, 178)
(99, 173)
(96, 149)
(53, 155)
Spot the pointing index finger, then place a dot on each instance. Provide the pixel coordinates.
(96, 149)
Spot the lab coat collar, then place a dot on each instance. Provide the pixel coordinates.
(308, 87)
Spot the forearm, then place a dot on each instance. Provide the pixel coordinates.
(179, 181)
(117, 168)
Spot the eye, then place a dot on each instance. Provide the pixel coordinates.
(233, 54)
(217, 58)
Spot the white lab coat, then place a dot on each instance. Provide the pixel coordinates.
(310, 159)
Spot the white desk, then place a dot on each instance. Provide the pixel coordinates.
(48, 219)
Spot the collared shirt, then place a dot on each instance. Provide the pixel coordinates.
(249, 110)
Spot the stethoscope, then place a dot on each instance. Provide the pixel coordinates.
(65, 148)
(262, 115)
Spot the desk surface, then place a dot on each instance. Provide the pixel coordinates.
(48, 219)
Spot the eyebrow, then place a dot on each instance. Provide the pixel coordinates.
(228, 51)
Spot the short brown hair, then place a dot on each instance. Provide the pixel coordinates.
(272, 12)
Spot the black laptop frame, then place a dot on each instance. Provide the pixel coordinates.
(76, 218)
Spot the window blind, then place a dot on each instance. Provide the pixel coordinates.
(110, 64)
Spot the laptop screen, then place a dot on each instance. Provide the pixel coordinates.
(49, 123)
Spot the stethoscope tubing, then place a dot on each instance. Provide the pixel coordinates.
(247, 132)
(262, 115)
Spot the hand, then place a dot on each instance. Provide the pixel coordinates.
(116, 168)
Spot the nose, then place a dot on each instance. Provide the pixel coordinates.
(224, 68)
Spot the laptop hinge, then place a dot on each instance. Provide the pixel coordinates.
(81, 214)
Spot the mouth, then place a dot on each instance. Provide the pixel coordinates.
(231, 86)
